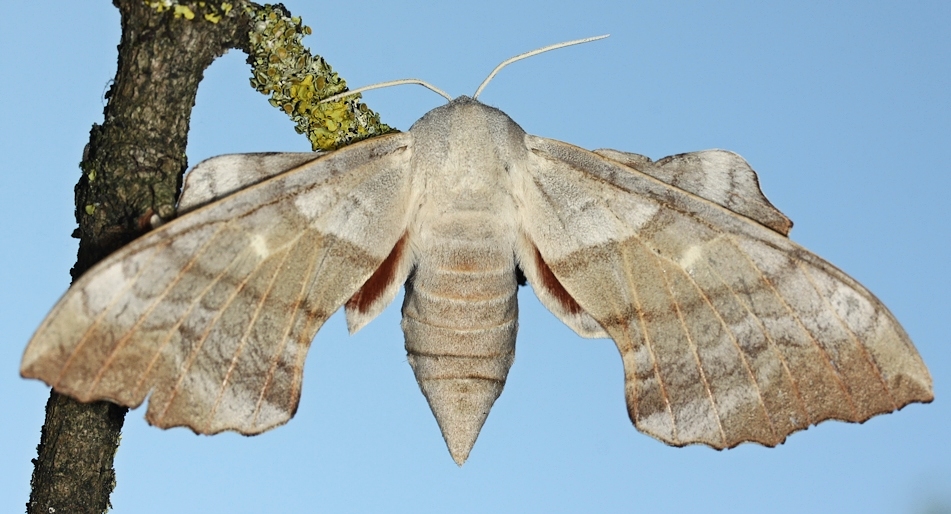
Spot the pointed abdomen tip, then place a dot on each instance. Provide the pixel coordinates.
(461, 406)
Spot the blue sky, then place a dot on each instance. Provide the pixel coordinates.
(844, 110)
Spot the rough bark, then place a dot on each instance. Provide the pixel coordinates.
(132, 169)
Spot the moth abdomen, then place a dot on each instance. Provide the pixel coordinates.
(460, 321)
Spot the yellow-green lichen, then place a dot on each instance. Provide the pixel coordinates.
(210, 11)
(182, 11)
(294, 79)
(90, 209)
(297, 80)
(160, 5)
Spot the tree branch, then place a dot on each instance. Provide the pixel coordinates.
(132, 171)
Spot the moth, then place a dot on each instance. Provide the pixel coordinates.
(728, 331)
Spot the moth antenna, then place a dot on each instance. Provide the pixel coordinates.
(485, 82)
(519, 57)
(388, 84)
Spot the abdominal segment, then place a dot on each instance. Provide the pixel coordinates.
(460, 321)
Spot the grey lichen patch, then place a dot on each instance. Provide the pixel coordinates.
(296, 82)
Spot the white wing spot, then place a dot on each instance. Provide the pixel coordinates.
(690, 257)
(259, 245)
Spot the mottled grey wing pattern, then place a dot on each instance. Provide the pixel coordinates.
(213, 312)
(729, 332)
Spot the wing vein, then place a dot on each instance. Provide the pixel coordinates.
(155, 303)
(828, 360)
(736, 342)
(628, 265)
(852, 335)
(193, 355)
(181, 319)
(306, 285)
(244, 337)
(298, 374)
(772, 344)
(693, 348)
(85, 337)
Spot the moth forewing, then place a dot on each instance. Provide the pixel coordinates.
(213, 312)
(729, 332)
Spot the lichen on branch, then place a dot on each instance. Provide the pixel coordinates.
(284, 69)
(297, 81)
